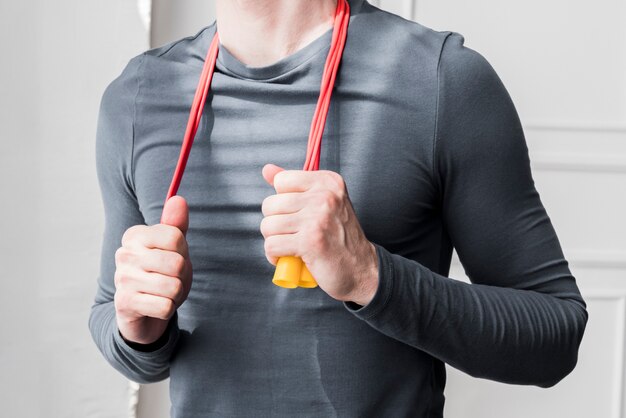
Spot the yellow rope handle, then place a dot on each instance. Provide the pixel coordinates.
(291, 272)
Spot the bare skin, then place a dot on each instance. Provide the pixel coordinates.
(311, 216)
(153, 274)
(261, 32)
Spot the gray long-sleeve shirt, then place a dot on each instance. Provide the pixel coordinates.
(434, 158)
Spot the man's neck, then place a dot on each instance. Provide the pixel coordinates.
(261, 32)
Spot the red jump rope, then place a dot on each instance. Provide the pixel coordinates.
(291, 272)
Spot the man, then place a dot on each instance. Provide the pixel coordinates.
(423, 152)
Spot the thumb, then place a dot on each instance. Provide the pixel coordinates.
(269, 171)
(176, 213)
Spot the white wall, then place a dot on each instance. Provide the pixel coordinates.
(19, 226)
(57, 58)
(172, 20)
(563, 63)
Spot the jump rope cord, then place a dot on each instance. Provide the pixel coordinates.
(290, 271)
(340, 31)
(195, 114)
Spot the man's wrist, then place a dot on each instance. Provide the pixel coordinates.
(160, 342)
(367, 284)
(153, 346)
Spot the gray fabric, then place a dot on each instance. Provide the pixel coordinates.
(434, 157)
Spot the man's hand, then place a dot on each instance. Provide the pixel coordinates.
(153, 274)
(311, 217)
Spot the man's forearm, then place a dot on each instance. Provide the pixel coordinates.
(504, 334)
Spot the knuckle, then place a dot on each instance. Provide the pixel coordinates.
(180, 237)
(126, 236)
(341, 194)
(180, 242)
(174, 236)
(265, 205)
(269, 245)
(262, 226)
(336, 178)
(120, 279)
(329, 201)
(122, 301)
(177, 289)
(120, 255)
(130, 234)
(278, 178)
(266, 227)
(178, 264)
(167, 309)
(123, 256)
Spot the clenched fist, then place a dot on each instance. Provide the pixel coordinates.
(311, 217)
(153, 274)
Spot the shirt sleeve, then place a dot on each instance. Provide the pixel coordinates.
(522, 318)
(114, 151)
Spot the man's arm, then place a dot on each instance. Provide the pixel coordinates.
(522, 318)
(143, 363)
